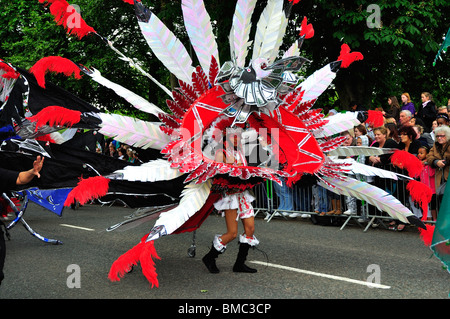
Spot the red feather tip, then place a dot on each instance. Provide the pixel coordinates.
(10, 72)
(421, 194)
(375, 118)
(56, 116)
(144, 252)
(405, 160)
(307, 30)
(427, 234)
(348, 58)
(88, 189)
(54, 64)
(66, 15)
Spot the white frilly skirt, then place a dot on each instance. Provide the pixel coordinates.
(240, 201)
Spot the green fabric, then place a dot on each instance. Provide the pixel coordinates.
(443, 47)
(440, 244)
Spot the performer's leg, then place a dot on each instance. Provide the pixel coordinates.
(232, 226)
(220, 242)
(246, 241)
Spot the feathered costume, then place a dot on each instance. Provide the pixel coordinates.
(260, 94)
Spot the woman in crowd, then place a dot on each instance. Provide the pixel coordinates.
(407, 104)
(427, 112)
(393, 110)
(382, 141)
(408, 141)
(439, 159)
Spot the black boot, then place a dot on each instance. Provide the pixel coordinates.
(210, 260)
(239, 265)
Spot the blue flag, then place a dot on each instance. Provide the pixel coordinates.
(51, 199)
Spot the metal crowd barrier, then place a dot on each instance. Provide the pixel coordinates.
(304, 200)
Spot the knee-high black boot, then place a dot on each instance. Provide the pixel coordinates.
(210, 260)
(239, 265)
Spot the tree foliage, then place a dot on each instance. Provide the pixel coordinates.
(398, 54)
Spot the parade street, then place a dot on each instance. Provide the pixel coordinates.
(303, 261)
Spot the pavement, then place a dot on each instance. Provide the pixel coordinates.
(296, 260)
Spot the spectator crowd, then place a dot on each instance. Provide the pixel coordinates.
(422, 130)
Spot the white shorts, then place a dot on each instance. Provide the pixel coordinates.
(240, 201)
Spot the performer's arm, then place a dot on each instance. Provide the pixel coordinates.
(27, 176)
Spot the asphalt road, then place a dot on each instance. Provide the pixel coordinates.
(304, 261)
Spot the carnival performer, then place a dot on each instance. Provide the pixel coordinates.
(8, 181)
(233, 205)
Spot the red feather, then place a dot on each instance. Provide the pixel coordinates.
(88, 189)
(375, 118)
(144, 252)
(348, 58)
(10, 72)
(427, 234)
(307, 30)
(66, 15)
(54, 64)
(213, 70)
(421, 194)
(405, 160)
(56, 116)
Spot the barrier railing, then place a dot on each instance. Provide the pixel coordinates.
(275, 201)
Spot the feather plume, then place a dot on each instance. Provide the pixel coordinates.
(268, 30)
(240, 31)
(366, 170)
(406, 160)
(8, 71)
(360, 150)
(157, 170)
(421, 194)
(144, 253)
(167, 48)
(54, 64)
(375, 118)
(307, 30)
(67, 16)
(55, 116)
(193, 198)
(337, 123)
(137, 101)
(133, 131)
(199, 29)
(317, 83)
(88, 189)
(348, 57)
(373, 195)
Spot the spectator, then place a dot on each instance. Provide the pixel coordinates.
(405, 118)
(408, 141)
(442, 109)
(442, 119)
(382, 141)
(439, 159)
(427, 112)
(427, 177)
(112, 150)
(392, 131)
(407, 104)
(393, 110)
(425, 139)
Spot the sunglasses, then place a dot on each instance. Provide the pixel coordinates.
(440, 136)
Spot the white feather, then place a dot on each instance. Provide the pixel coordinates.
(167, 48)
(137, 101)
(240, 30)
(372, 194)
(268, 30)
(193, 198)
(366, 170)
(199, 29)
(337, 123)
(133, 131)
(360, 150)
(317, 83)
(157, 170)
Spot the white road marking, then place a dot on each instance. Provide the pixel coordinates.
(77, 227)
(359, 282)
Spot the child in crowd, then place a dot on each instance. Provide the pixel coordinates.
(427, 177)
